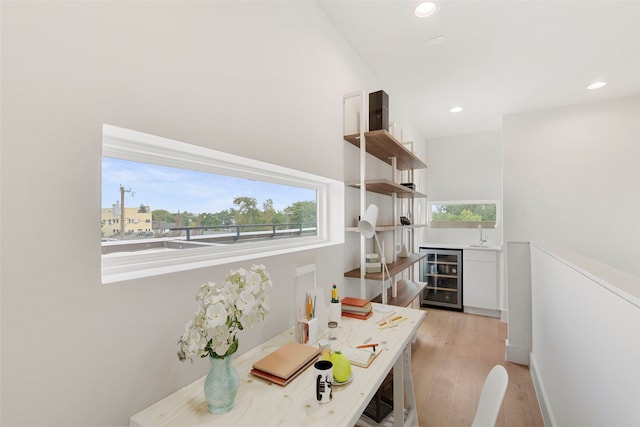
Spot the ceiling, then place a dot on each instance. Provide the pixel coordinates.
(497, 57)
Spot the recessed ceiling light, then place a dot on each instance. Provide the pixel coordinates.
(426, 9)
(455, 109)
(596, 85)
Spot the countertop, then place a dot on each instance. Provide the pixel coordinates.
(463, 246)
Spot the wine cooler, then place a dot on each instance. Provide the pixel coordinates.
(441, 270)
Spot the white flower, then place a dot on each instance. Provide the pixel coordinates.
(223, 311)
(213, 298)
(246, 301)
(229, 293)
(253, 282)
(187, 330)
(249, 318)
(216, 315)
(205, 290)
(264, 304)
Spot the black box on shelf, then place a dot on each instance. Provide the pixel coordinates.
(378, 110)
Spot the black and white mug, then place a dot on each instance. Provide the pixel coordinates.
(323, 379)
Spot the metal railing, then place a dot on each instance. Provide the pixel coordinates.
(242, 229)
(195, 237)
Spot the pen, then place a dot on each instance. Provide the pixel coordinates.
(368, 345)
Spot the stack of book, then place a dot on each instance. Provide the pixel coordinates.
(285, 363)
(356, 307)
(372, 264)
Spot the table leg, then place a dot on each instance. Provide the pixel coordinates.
(398, 392)
(403, 395)
(410, 398)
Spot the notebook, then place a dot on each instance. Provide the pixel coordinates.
(285, 363)
(359, 356)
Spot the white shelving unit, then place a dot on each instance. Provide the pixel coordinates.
(402, 162)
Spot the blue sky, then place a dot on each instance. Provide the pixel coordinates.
(174, 190)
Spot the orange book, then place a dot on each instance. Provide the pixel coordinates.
(285, 363)
(358, 316)
(356, 302)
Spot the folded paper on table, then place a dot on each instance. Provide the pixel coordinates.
(285, 363)
(391, 322)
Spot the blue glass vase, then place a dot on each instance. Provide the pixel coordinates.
(221, 385)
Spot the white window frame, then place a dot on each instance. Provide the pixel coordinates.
(463, 224)
(137, 146)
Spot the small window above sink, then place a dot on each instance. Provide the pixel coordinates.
(464, 214)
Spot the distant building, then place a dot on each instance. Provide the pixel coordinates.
(134, 222)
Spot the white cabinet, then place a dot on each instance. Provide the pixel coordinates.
(480, 280)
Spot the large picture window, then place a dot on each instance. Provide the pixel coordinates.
(170, 206)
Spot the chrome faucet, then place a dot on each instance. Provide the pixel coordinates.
(482, 240)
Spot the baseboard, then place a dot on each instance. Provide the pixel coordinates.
(504, 316)
(547, 416)
(482, 311)
(516, 354)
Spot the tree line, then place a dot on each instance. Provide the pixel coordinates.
(471, 212)
(245, 211)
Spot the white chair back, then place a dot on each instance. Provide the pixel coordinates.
(493, 390)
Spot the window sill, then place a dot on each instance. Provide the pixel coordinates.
(118, 268)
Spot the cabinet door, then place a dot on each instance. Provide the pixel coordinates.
(480, 280)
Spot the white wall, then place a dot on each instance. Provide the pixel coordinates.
(518, 277)
(585, 346)
(571, 177)
(463, 167)
(264, 80)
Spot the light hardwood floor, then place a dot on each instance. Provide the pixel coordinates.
(450, 360)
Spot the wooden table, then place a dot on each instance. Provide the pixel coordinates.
(260, 403)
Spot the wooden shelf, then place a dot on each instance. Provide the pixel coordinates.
(394, 267)
(407, 292)
(384, 146)
(387, 187)
(446, 276)
(441, 288)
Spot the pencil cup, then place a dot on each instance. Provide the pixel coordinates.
(335, 311)
(323, 378)
(306, 331)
